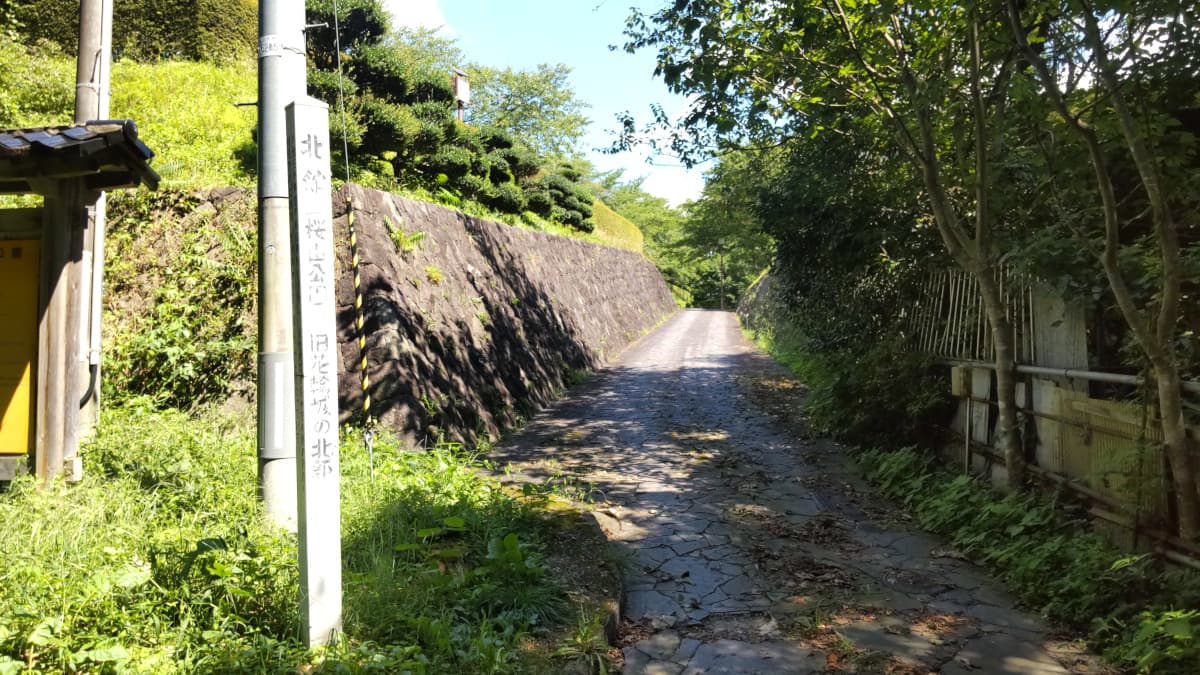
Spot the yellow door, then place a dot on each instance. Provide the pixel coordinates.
(18, 343)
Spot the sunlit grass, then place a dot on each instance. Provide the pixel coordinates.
(614, 229)
(161, 561)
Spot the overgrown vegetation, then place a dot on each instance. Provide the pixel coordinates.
(147, 30)
(1142, 615)
(201, 140)
(180, 316)
(161, 561)
(864, 389)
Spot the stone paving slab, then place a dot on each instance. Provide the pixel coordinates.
(744, 554)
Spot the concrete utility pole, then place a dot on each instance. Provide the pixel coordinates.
(92, 77)
(92, 87)
(281, 80)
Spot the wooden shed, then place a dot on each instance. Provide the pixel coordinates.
(45, 284)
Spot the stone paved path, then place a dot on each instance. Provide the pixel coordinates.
(749, 548)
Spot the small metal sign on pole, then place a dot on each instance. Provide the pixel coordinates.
(317, 473)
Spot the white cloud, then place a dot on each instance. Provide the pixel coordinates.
(416, 14)
(675, 184)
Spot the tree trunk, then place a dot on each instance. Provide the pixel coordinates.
(1154, 335)
(1007, 436)
(974, 257)
(1178, 448)
(721, 271)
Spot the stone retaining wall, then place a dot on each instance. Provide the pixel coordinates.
(479, 324)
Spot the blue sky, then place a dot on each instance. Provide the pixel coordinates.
(523, 33)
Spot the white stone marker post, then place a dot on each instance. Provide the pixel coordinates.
(317, 474)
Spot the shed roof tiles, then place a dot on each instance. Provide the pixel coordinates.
(105, 153)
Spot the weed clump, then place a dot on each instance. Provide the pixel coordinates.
(161, 560)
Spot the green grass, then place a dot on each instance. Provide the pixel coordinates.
(160, 560)
(614, 229)
(186, 111)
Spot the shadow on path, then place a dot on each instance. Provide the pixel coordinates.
(751, 549)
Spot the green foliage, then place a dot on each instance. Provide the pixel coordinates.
(522, 163)
(184, 331)
(148, 30)
(405, 243)
(662, 228)
(437, 556)
(161, 561)
(977, 149)
(725, 246)
(876, 393)
(615, 229)
(536, 106)
(433, 274)
(453, 162)
(507, 198)
(563, 198)
(402, 132)
(10, 23)
(1139, 612)
(158, 561)
(850, 255)
(34, 86)
(200, 139)
(540, 201)
(1161, 641)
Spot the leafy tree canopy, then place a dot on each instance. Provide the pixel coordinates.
(538, 106)
(401, 128)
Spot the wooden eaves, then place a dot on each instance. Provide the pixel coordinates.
(106, 154)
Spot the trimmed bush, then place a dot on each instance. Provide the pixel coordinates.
(429, 137)
(387, 126)
(452, 161)
(540, 202)
(521, 161)
(496, 139)
(507, 198)
(380, 71)
(497, 170)
(472, 186)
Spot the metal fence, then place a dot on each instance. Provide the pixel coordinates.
(949, 320)
(1107, 450)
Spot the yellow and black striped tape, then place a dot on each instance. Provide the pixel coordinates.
(358, 313)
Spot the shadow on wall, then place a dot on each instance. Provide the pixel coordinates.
(470, 325)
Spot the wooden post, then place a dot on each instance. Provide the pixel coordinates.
(59, 379)
(315, 349)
